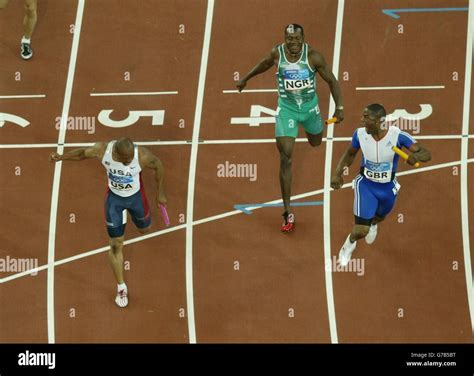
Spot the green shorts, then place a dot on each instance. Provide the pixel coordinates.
(287, 120)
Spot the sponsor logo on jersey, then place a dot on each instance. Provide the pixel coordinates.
(123, 179)
(377, 167)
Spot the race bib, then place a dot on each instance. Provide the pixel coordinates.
(296, 79)
(378, 172)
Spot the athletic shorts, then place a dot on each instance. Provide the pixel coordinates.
(116, 208)
(288, 117)
(373, 199)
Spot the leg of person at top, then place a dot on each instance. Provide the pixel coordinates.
(313, 126)
(29, 23)
(365, 208)
(372, 203)
(285, 147)
(372, 234)
(140, 212)
(387, 198)
(314, 139)
(116, 261)
(115, 217)
(286, 131)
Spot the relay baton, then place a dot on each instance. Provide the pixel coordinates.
(331, 121)
(403, 155)
(164, 214)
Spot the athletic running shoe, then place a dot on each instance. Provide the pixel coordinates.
(122, 298)
(346, 251)
(288, 223)
(26, 51)
(370, 237)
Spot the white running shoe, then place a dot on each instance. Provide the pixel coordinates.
(122, 298)
(370, 237)
(346, 251)
(26, 52)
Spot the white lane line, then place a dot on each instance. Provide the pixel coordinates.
(25, 96)
(57, 169)
(327, 181)
(143, 143)
(92, 253)
(427, 87)
(464, 156)
(192, 172)
(250, 91)
(216, 142)
(211, 219)
(27, 146)
(133, 93)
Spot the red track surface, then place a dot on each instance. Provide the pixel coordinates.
(279, 293)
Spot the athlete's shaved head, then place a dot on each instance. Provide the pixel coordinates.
(124, 146)
(124, 150)
(377, 111)
(293, 28)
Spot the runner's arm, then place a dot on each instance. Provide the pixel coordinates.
(418, 154)
(149, 160)
(346, 160)
(95, 151)
(265, 64)
(325, 72)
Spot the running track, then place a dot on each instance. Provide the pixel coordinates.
(218, 275)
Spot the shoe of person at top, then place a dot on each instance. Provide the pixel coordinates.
(371, 235)
(346, 251)
(26, 51)
(122, 298)
(288, 222)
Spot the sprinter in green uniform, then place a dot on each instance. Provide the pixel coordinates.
(297, 65)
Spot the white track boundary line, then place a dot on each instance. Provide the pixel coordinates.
(400, 87)
(23, 96)
(211, 219)
(250, 91)
(57, 171)
(215, 142)
(464, 156)
(133, 93)
(192, 172)
(327, 181)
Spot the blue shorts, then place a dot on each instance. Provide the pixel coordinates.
(373, 199)
(115, 215)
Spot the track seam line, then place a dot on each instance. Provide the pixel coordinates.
(192, 173)
(133, 93)
(464, 156)
(57, 172)
(220, 142)
(210, 219)
(23, 96)
(427, 87)
(327, 181)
